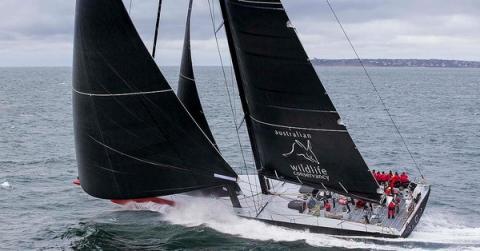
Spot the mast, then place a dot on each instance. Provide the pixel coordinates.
(156, 28)
(246, 111)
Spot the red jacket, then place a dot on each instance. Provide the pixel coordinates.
(391, 205)
(388, 191)
(404, 178)
(394, 180)
(328, 207)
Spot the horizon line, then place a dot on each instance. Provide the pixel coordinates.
(217, 65)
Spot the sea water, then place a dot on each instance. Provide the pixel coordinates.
(437, 111)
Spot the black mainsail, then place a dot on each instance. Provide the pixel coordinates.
(187, 90)
(295, 130)
(133, 137)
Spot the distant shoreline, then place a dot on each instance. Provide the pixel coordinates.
(431, 63)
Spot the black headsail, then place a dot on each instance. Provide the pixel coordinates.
(133, 136)
(187, 90)
(294, 128)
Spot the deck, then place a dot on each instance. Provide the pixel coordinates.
(274, 208)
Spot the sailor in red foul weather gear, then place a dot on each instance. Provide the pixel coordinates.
(389, 175)
(391, 210)
(360, 204)
(388, 191)
(394, 180)
(328, 207)
(382, 177)
(404, 180)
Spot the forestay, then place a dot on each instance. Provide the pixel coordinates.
(133, 136)
(295, 131)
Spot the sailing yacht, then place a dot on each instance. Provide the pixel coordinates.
(137, 141)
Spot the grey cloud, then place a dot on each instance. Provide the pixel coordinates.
(36, 32)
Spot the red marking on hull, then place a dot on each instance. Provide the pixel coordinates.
(144, 200)
(76, 182)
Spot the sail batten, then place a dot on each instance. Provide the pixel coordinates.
(295, 130)
(134, 138)
(122, 94)
(294, 127)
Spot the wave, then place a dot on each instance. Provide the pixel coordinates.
(51, 160)
(215, 215)
(446, 229)
(6, 185)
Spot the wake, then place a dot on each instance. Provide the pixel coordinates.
(430, 233)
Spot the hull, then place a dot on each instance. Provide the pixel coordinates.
(273, 209)
(327, 230)
(409, 227)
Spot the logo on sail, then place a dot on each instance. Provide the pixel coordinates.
(310, 170)
(305, 151)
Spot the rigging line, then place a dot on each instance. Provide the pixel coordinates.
(212, 16)
(156, 28)
(230, 99)
(130, 7)
(219, 27)
(375, 89)
(233, 90)
(212, 12)
(241, 123)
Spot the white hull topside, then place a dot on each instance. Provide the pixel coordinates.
(273, 208)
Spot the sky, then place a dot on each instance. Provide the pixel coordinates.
(40, 32)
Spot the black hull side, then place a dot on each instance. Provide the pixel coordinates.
(416, 218)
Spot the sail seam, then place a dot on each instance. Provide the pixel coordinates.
(246, 4)
(185, 77)
(120, 94)
(135, 158)
(300, 109)
(249, 1)
(224, 177)
(296, 127)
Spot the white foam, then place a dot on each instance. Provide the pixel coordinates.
(440, 228)
(212, 213)
(6, 185)
(446, 229)
(149, 206)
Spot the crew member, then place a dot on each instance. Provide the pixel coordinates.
(404, 180)
(388, 191)
(397, 203)
(311, 203)
(389, 175)
(327, 205)
(383, 177)
(394, 180)
(360, 204)
(391, 210)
